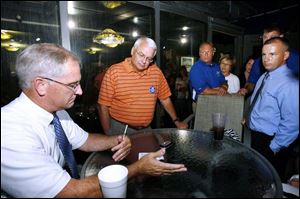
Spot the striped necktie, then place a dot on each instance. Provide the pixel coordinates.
(65, 146)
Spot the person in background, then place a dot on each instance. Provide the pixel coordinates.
(245, 75)
(31, 160)
(182, 102)
(206, 77)
(172, 85)
(181, 83)
(99, 78)
(257, 68)
(243, 79)
(226, 64)
(274, 119)
(130, 90)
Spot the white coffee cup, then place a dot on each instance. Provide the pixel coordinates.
(113, 181)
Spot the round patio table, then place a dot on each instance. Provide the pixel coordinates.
(215, 168)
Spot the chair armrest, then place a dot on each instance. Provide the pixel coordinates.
(190, 120)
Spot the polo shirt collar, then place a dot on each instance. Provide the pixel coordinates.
(208, 65)
(130, 69)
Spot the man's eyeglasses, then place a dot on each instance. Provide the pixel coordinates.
(72, 86)
(206, 52)
(141, 55)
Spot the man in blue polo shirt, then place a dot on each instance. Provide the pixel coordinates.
(206, 77)
(257, 68)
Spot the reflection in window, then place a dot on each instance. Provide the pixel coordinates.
(91, 18)
(27, 22)
(23, 23)
(180, 39)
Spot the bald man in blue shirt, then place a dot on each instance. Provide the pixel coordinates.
(206, 77)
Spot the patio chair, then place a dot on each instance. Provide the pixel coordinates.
(232, 105)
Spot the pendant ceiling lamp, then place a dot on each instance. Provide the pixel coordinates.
(112, 4)
(5, 35)
(12, 45)
(109, 38)
(93, 50)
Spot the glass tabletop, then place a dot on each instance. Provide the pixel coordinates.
(224, 168)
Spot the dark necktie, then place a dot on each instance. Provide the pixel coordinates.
(256, 96)
(65, 146)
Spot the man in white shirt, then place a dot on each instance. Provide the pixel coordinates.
(31, 160)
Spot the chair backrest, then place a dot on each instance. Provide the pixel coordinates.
(231, 105)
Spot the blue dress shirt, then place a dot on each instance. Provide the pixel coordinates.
(204, 76)
(276, 112)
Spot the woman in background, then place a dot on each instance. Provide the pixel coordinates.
(226, 64)
(244, 76)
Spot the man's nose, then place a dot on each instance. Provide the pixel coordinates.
(79, 90)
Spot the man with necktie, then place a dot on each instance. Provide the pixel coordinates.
(258, 69)
(38, 135)
(274, 106)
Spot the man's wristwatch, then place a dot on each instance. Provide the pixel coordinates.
(176, 119)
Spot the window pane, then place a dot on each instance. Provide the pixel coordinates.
(180, 39)
(23, 23)
(90, 19)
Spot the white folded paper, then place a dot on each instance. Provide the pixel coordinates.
(141, 154)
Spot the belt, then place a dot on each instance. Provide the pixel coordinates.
(136, 127)
(132, 127)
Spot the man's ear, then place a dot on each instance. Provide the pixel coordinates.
(40, 86)
(132, 51)
(286, 55)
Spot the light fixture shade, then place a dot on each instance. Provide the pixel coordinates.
(92, 50)
(12, 45)
(5, 35)
(112, 4)
(109, 38)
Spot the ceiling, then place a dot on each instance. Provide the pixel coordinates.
(238, 10)
(252, 15)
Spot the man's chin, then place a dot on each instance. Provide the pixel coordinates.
(69, 105)
(140, 69)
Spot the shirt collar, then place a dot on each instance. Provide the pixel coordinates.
(36, 111)
(130, 68)
(209, 65)
(279, 71)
